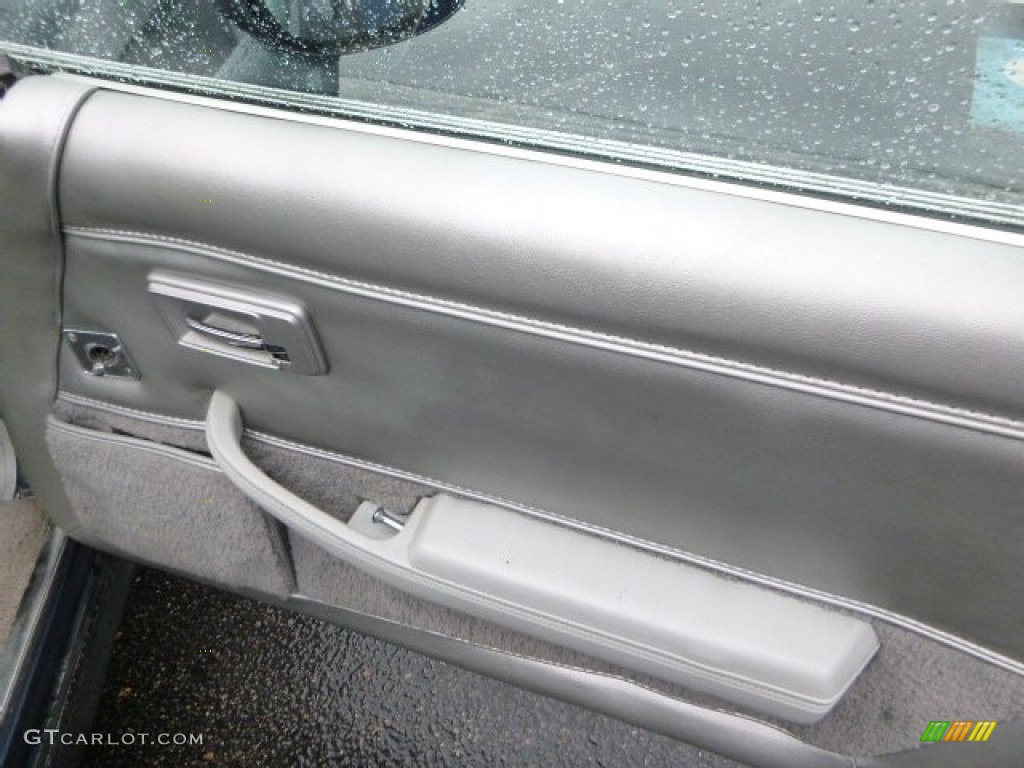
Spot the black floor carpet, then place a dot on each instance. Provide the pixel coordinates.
(264, 687)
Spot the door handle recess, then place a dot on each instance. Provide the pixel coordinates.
(238, 323)
(742, 642)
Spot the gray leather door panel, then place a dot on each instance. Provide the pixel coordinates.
(854, 304)
(893, 510)
(815, 397)
(34, 123)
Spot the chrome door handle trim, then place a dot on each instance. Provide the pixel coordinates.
(242, 340)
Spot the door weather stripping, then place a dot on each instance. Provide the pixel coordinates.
(8, 466)
(743, 643)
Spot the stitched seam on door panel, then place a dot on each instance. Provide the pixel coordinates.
(707, 563)
(685, 358)
(809, 593)
(115, 408)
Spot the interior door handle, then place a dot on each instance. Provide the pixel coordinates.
(242, 340)
(742, 642)
(238, 323)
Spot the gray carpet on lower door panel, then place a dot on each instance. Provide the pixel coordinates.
(912, 680)
(23, 530)
(168, 507)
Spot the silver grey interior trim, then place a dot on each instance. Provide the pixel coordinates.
(773, 481)
(734, 736)
(35, 124)
(879, 715)
(820, 387)
(155, 418)
(278, 333)
(974, 231)
(801, 659)
(234, 338)
(945, 638)
(822, 294)
(124, 76)
(797, 677)
(88, 146)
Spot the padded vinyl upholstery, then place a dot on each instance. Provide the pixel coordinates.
(34, 120)
(809, 397)
(879, 714)
(832, 297)
(816, 397)
(889, 509)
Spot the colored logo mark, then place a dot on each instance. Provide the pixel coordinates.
(958, 730)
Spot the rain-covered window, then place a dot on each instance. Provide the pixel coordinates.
(907, 103)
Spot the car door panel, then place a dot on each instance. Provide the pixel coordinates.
(654, 258)
(30, 142)
(659, 452)
(818, 401)
(672, 446)
(879, 714)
